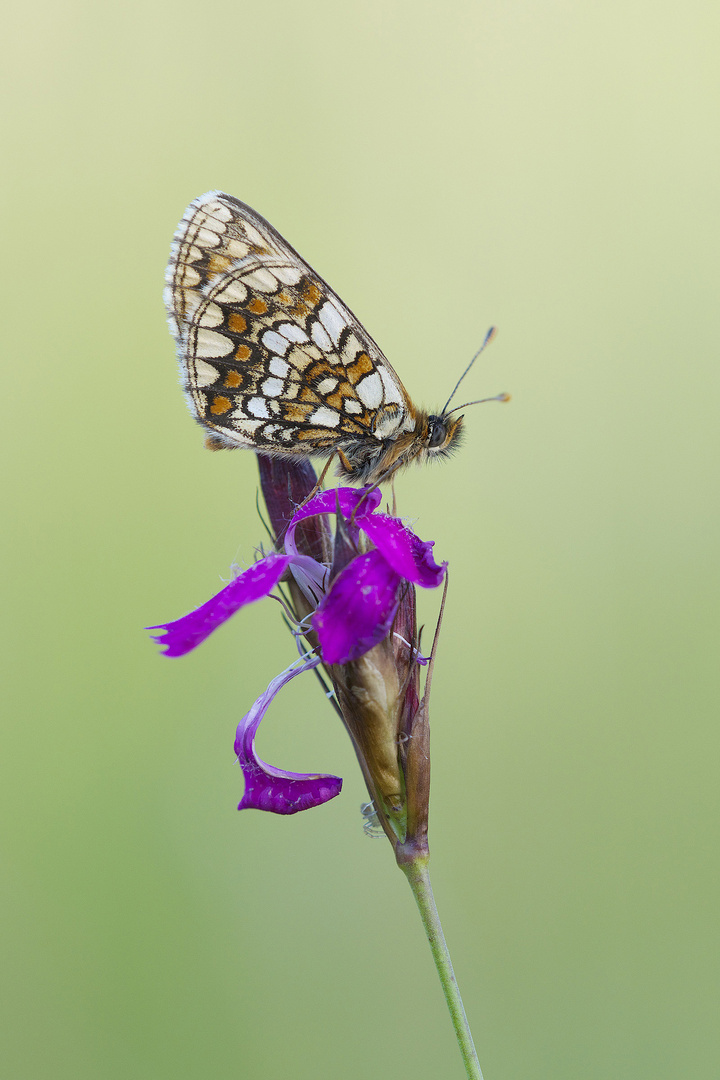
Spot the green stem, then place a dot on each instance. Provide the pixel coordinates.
(419, 878)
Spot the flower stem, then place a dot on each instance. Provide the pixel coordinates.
(418, 876)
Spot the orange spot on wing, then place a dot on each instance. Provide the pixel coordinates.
(243, 352)
(237, 322)
(220, 405)
(362, 366)
(296, 414)
(311, 293)
(320, 370)
(257, 306)
(233, 379)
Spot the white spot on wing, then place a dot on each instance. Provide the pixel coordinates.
(209, 343)
(234, 293)
(236, 249)
(212, 316)
(325, 417)
(254, 236)
(275, 342)
(392, 391)
(332, 320)
(353, 406)
(292, 332)
(289, 275)
(262, 280)
(204, 374)
(370, 390)
(272, 387)
(187, 277)
(278, 367)
(206, 237)
(320, 336)
(327, 386)
(257, 407)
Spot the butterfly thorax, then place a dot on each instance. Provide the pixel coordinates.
(369, 461)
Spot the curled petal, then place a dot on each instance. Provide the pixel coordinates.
(268, 788)
(346, 499)
(407, 554)
(358, 611)
(185, 634)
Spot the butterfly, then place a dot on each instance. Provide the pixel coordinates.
(271, 358)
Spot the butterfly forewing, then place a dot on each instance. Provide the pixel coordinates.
(271, 357)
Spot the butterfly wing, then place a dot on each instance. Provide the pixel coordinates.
(270, 357)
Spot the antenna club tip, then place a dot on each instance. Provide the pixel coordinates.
(504, 397)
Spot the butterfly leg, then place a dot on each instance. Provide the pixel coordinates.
(385, 476)
(345, 463)
(323, 474)
(319, 484)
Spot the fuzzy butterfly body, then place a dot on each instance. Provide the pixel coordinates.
(271, 358)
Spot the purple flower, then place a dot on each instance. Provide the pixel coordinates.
(352, 605)
(352, 610)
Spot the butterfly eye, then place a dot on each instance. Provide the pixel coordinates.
(437, 434)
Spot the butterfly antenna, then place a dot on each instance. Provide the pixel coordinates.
(488, 338)
(480, 401)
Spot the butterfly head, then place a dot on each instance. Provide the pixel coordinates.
(441, 435)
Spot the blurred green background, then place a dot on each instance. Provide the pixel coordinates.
(548, 167)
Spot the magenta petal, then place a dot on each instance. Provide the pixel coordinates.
(183, 635)
(327, 502)
(310, 576)
(409, 556)
(268, 788)
(358, 611)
